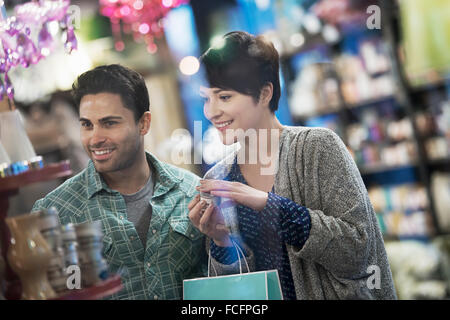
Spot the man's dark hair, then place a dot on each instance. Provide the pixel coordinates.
(245, 63)
(116, 79)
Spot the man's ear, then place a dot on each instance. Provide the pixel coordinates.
(144, 123)
(266, 93)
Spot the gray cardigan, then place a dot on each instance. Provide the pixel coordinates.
(344, 256)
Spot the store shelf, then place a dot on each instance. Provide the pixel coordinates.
(104, 289)
(49, 172)
(8, 187)
(366, 170)
(349, 107)
(371, 102)
(421, 238)
(440, 164)
(438, 85)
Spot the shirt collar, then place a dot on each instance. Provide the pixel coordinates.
(165, 178)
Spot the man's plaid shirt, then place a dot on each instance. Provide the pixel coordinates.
(175, 248)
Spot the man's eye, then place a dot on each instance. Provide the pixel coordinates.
(85, 124)
(110, 123)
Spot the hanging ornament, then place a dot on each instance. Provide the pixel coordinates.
(45, 41)
(27, 50)
(18, 46)
(141, 18)
(2, 90)
(9, 88)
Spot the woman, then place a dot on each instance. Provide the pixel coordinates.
(310, 218)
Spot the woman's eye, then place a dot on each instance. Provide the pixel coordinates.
(225, 98)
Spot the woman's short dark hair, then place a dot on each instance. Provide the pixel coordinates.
(116, 79)
(245, 63)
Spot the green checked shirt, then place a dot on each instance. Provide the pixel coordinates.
(175, 248)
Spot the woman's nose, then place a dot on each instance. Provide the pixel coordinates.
(211, 110)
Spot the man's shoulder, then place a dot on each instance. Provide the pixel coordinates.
(73, 190)
(187, 181)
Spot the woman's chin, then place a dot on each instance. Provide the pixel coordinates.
(228, 142)
(227, 139)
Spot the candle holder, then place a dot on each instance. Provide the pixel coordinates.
(29, 256)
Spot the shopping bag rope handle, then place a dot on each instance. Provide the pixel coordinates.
(239, 253)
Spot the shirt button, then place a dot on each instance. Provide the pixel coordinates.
(155, 297)
(121, 217)
(148, 264)
(154, 231)
(192, 235)
(132, 238)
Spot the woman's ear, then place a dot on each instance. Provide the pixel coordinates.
(144, 123)
(266, 93)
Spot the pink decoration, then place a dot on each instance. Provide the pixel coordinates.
(142, 18)
(16, 44)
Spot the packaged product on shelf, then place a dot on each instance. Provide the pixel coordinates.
(90, 244)
(402, 209)
(440, 187)
(51, 231)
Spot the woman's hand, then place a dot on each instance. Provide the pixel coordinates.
(236, 191)
(209, 221)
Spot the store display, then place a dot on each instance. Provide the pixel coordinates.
(401, 210)
(416, 269)
(378, 140)
(51, 231)
(358, 83)
(142, 18)
(93, 266)
(29, 256)
(315, 91)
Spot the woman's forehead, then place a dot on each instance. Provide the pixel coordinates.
(209, 91)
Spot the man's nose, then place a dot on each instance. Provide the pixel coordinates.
(98, 137)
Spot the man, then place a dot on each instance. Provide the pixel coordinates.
(141, 201)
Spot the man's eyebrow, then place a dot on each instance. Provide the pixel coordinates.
(109, 118)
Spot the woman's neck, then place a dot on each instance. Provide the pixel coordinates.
(260, 152)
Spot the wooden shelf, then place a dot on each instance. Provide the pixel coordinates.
(106, 288)
(49, 172)
(8, 187)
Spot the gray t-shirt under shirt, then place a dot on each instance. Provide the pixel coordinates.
(139, 209)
